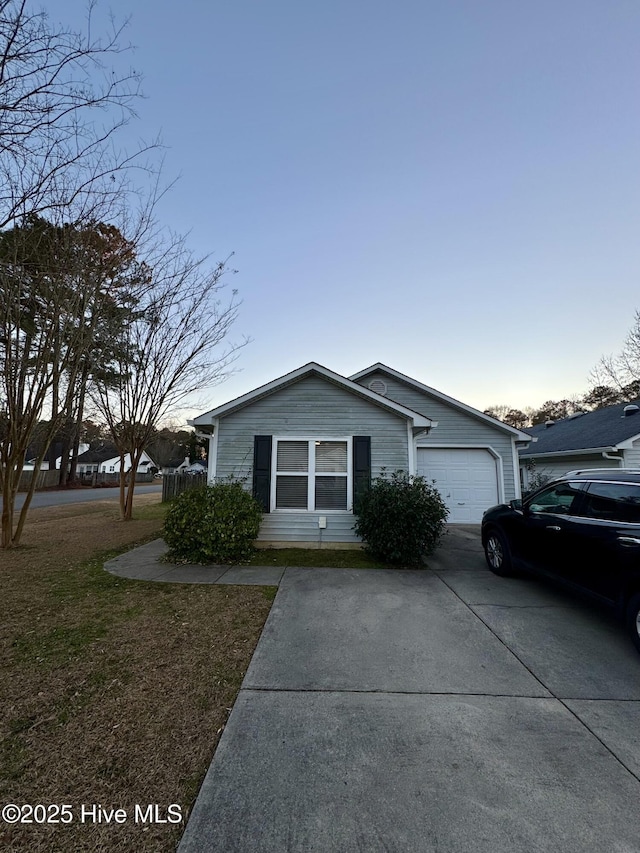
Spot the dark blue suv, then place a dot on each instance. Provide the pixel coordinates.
(582, 529)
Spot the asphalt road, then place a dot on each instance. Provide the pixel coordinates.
(72, 496)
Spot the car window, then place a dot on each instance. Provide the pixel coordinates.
(559, 499)
(613, 502)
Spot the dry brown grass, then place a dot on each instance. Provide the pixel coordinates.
(114, 692)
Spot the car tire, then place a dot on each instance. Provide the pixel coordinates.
(633, 619)
(497, 553)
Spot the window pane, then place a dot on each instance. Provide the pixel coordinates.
(331, 456)
(331, 492)
(293, 456)
(558, 500)
(614, 502)
(291, 492)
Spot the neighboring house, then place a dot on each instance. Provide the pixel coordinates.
(175, 466)
(106, 460)
(30, 464)
(606, 438)
(309, 442)
(185, 466)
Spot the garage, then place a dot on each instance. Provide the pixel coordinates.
(467, 479)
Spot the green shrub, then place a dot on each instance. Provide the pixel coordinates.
(213, 524)
(400, 518)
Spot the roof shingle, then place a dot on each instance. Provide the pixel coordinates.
(603, 428)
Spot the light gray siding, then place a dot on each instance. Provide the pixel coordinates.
(557, 466)
(303, 527)
(632, 456)
(312, 407)
(455, 427)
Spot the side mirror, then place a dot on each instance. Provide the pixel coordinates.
(516, 504)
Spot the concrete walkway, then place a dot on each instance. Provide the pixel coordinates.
(144, 564)
(441, 710)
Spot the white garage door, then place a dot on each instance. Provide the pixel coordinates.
(466, 479)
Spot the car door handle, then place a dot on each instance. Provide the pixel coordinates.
(628, 540)
(553, 527)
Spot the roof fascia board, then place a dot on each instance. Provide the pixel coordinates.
(312, 367)
(581, 452)
(523, 436)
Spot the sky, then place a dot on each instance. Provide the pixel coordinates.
(450, 187)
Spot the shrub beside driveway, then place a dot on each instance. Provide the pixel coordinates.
(114, 692)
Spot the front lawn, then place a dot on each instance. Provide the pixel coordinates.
(114, 692)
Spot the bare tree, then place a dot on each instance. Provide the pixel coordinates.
(61, 107)
(621, 372)
(55, 294)
(171, 348)
(508, 415)
(61, 171)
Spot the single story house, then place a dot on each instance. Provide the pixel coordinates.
(309, 441)
(175, 465)
(605, 438)
(106, 460)
(30, 464)
(183, 465)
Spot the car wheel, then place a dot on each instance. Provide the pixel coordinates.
(497, 553)
(633, 619)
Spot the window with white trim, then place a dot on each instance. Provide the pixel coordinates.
(312, 474)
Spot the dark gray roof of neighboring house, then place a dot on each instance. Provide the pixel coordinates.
(101, 454)
(603, 428)
(176, 462)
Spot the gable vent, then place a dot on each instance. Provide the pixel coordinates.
(378, 386)
(630, 410)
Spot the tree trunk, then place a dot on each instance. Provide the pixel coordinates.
(27, 502)
(63, 479)
(128, 505)
(10, 482)
(77, 427)
(123, 477)
(7, 508)
(75, 452)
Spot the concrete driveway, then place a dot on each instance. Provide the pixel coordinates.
(443, 710)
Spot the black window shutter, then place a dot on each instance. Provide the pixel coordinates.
(262, 470)
(361, 467)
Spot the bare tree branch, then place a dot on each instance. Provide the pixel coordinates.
(621, 372)
(61, 108)
(59, 286)
(173, 345)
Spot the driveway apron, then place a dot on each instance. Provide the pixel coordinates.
(384, 712)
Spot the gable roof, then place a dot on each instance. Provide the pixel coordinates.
(100, 454)
(444, 398)
(107, 453)
(311, 369)
(604, 429)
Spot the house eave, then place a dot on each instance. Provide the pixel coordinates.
(583, 451)
(202, 430)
